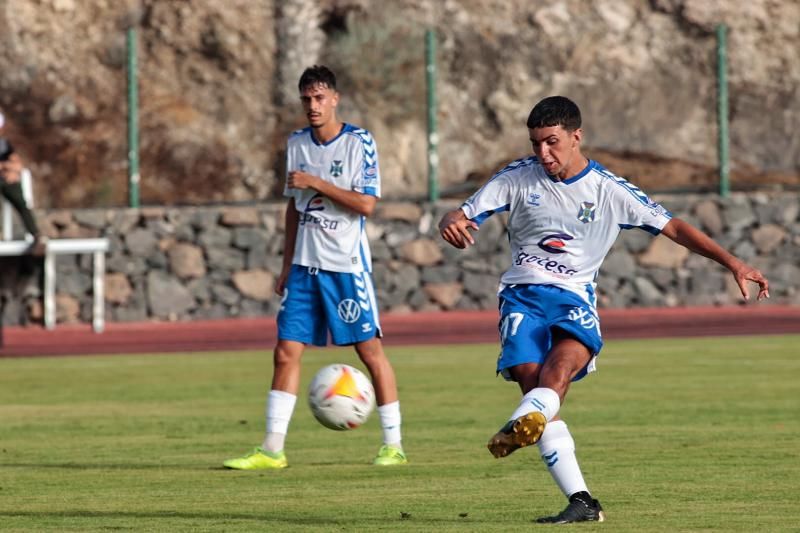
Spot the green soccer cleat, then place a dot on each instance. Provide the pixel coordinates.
(523, 431)
(390, 456)
(258, 459)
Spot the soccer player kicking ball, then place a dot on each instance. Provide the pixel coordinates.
(565, 212)
(333, 184)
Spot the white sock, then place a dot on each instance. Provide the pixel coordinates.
(541, 399)
(557, 448)
(390, 423)
(280, 406)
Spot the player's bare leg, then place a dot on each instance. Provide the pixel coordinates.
(286, 360)
(523, 430)
(383, 379)
(280, 406)
(567, 357)
(544, 388)
(372, 355)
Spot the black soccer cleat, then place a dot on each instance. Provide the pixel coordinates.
(581, 508)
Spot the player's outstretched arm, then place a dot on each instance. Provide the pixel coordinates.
(695, 240)
(454, 228)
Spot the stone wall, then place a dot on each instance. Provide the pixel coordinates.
(204, 263)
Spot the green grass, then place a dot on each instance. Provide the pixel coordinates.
(673, 435)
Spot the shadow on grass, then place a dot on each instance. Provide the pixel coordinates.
(109, 466)
(405, 518)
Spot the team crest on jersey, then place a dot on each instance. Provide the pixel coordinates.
(586, 212)
(337, 168)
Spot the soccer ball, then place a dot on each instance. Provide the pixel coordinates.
(341, 397)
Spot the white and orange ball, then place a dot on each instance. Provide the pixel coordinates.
(341, 397)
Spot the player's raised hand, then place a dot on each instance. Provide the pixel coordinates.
(745, 273)
(455, 228)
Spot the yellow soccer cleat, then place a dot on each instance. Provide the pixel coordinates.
(523, 431)
(258, 459)
(390, 456)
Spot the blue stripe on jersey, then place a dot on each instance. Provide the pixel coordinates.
(645, 227)
(369, 165)
(478, 219)
(365, 264)
(517, 163)
(295, 133)
(370, 191)
(590, 293)
(625, 184)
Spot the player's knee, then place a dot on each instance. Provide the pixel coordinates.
(284, 356)
(370, 352)
(557, 374)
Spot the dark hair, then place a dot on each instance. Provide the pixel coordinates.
(317, 75)
(555, 111)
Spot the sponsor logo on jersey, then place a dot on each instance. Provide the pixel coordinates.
(336, 168)
(544, 263)
(587, 212)
(554, 243)
(348, 310)
(317, 203)
(533, 199)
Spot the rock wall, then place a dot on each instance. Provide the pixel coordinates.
(204, 263)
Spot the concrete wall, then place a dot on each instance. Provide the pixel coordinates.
(200, 263)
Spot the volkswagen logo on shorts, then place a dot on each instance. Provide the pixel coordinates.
(349, 310)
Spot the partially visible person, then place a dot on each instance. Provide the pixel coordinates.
(332, 185)
(565, 212)
(11, 188)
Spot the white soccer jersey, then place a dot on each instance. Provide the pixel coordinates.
(330, 237)
(561, 231)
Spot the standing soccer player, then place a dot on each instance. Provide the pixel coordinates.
(565, 212)
(333, 184)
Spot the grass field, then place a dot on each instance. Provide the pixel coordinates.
(673, 435)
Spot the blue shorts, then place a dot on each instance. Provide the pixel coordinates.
(316, 301)
(528, 316)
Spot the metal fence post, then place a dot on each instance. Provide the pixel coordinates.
(433, 135)
(133, 122)
(722, 112)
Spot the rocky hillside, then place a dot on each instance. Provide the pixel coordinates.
(217, 88)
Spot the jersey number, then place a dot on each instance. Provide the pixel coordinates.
(510, 325)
